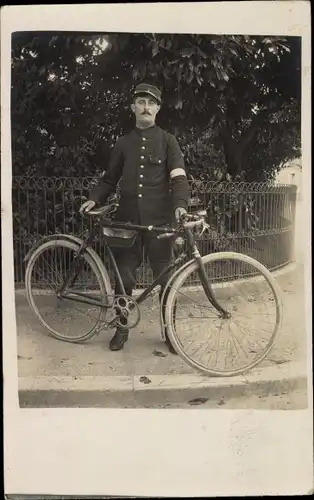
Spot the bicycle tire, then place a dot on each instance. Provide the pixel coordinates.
(92, 259)
(207, 259)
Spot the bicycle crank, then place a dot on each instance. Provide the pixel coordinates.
(127, 311)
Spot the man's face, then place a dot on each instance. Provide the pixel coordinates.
(145, 109)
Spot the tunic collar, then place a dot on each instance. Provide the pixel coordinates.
(147, 132)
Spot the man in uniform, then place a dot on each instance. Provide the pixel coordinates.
(153, 190)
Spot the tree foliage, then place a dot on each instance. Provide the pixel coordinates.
(232, 101)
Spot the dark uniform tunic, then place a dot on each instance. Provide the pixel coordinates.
(153, 179)
(153, 183)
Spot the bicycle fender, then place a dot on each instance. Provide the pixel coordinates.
(51, 237)
(168, 285)
(79, 242)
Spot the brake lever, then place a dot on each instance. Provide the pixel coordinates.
(206, 227)
(184, 218)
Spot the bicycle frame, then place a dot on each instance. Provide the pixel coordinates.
(75, 268)
(148, 291)
(193, 250)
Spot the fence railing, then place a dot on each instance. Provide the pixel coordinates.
(252, 218)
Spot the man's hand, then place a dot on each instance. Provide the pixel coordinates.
(87, 206)
(179, 212)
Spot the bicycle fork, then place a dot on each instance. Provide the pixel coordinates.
(206, 285)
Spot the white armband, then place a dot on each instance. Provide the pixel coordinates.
(176, 172)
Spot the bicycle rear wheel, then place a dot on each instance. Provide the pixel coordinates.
(63, 318)
(217, 346)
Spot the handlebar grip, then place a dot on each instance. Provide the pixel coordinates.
(164, 236)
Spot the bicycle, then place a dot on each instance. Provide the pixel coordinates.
(223, 279)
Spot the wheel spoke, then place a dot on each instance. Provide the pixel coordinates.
(197, 317)
(54, 271)
(45, 280)
(65, 319)
(198, 303)
(239, 342)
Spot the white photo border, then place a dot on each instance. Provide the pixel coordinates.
(153, 452)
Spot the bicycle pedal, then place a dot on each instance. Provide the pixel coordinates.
(102, 327)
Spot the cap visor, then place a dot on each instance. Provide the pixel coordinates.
(141, 92)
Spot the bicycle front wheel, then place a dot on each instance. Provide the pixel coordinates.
(214, 345)
(69, 318)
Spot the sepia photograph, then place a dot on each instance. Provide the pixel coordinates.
(157, 205)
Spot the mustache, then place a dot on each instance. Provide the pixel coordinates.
(146, 113)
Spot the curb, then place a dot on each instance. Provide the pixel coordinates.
(139, 392)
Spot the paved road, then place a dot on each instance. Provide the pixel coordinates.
(41, 355)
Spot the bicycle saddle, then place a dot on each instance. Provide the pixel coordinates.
(105, 210)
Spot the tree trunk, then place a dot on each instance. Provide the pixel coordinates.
(232, 153)
(235, 151)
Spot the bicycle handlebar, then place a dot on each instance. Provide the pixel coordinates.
(197, 220)
(188, 220)
(165, 235)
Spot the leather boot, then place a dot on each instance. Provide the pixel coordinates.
(118, 340)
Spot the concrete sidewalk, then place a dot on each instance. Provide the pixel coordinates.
(53, 373)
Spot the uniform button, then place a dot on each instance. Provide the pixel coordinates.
(144, 138)
(141, 176)
(142, 166)
(159, 161)
(140, 196)
(142, 157)
(140, 185)
(143, 147)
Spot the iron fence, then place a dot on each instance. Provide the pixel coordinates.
(252, 218)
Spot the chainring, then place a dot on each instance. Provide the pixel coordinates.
(127, 311)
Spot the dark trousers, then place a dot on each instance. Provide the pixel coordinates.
(159, 253)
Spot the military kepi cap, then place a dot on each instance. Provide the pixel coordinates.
(146, 88)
